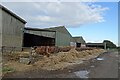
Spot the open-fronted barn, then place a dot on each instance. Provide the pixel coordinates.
(55, 36)
(97, 45)
(11, 29)
(38, 37)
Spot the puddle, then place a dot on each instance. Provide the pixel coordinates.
(82, 74)
(100, 59)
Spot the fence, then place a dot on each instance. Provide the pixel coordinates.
(20, 54)
(5, 49)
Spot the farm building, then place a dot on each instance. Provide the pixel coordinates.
(79, 41)
(11, 29)
(55, 36)
(63, 37)
(15, 34)
(97, 45)
(38, 37)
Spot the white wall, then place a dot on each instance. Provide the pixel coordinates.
(73, 44)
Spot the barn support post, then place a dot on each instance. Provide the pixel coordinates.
(105, 45)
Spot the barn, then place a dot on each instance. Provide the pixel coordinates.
(14, 33)
(97, 45)
(63, 37)
(55, 36)
(79, 41)
(12, 27)
(38, 37)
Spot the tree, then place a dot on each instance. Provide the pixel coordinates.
(109, 44)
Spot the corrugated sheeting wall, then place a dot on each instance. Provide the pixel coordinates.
(62, 39)
(12, 31)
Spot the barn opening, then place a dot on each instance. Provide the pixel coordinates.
(31, 40)
(78, 44)
(38, 37)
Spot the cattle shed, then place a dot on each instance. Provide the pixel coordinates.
(12, 27)
(63, 37)
(79, 41)
(38, 37)
(13, 33)
(97, 45)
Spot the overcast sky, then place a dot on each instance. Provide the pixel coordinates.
(94, 21)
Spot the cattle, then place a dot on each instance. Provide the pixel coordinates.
(42, 50)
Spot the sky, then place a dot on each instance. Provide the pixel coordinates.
(95, 21)
(97, 32)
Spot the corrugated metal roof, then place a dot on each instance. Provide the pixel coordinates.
(11, 13)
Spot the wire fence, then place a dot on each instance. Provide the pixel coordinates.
(20, 54)
(8, 50)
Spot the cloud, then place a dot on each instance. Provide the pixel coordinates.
(48, 0)
(59, 0)
(46, 14)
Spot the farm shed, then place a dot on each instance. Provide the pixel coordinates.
(38, 37)
(80, 42)
(63, 37)
(97, 45)
(11, 28)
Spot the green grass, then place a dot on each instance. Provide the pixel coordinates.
(7, 69)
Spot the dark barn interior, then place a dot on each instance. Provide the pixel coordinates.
(31, 40)
(78, 44)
